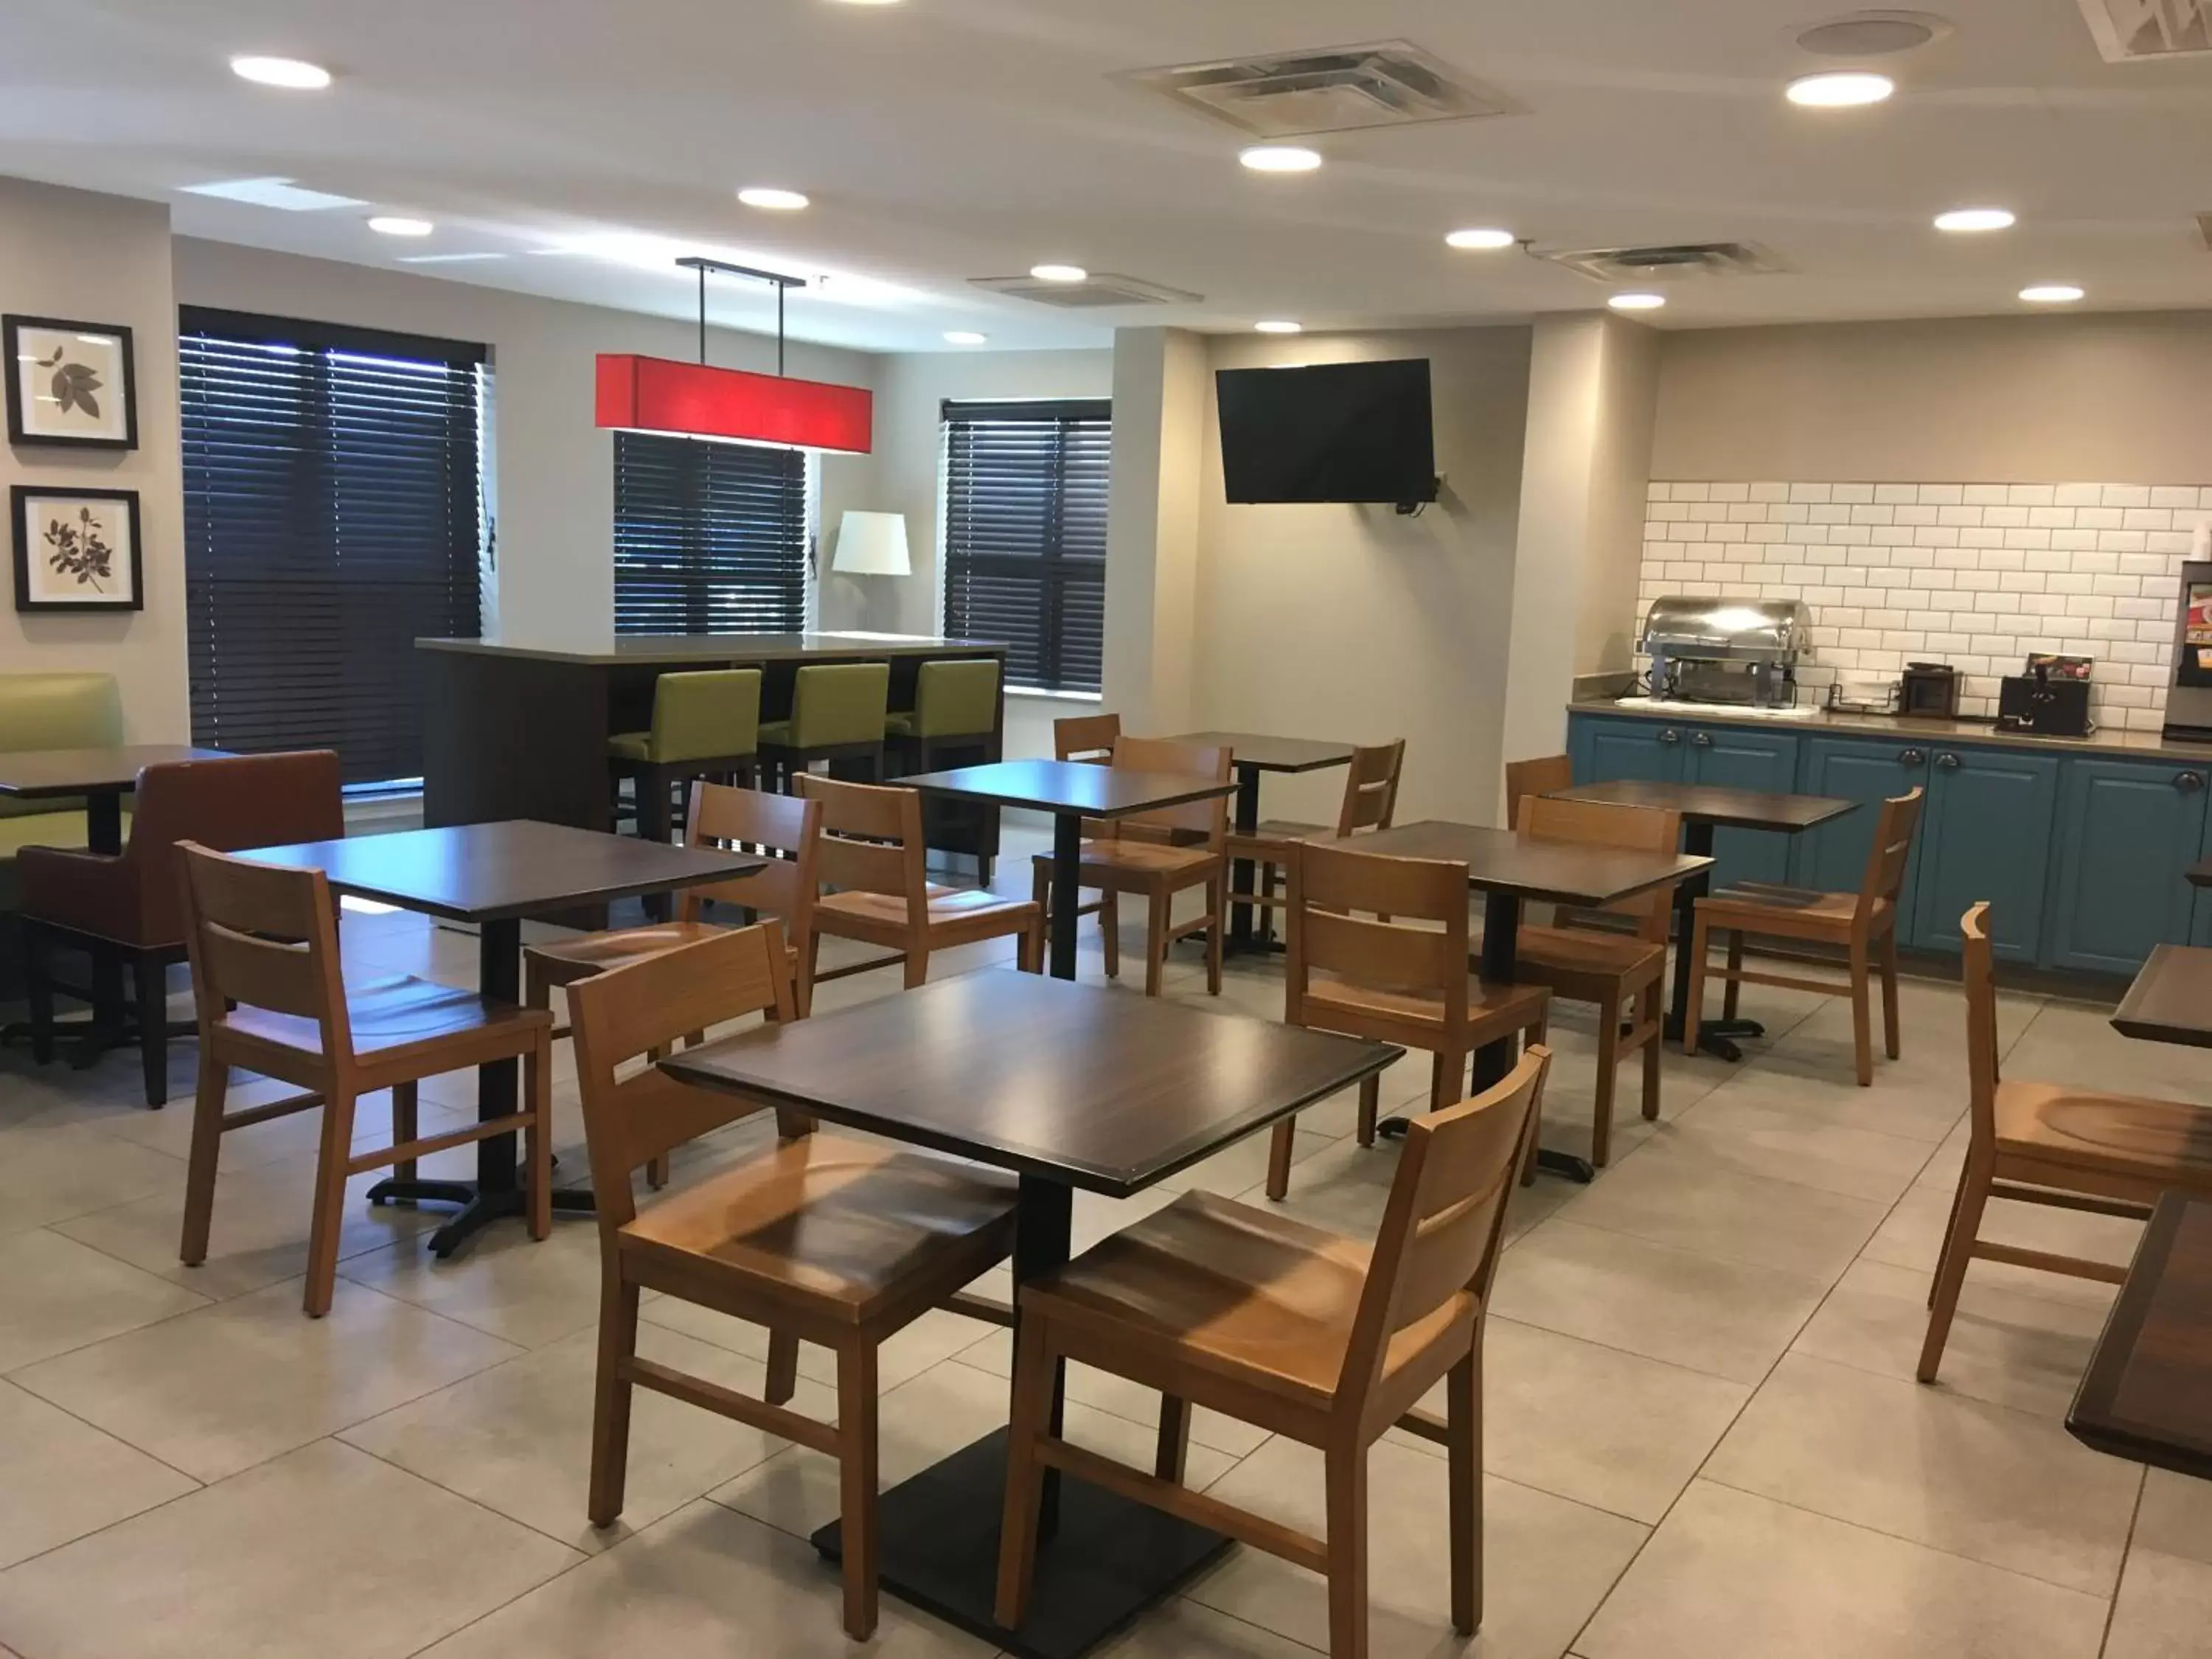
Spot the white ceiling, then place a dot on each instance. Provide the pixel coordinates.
(946, 139)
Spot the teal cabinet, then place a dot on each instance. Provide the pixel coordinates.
(1986, 834)
(1729, 758)
(2127, 829)
(1832, 858)
(1649, 751)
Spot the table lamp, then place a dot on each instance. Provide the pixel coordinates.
(872, 545)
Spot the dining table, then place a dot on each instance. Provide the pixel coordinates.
(2170, 1000)
(2145, 1396)
(490, 877)
(1510, 870)
(1705, 809)
(1252, 757)
(1074, 1088)
(1070, 791)
(99, 777)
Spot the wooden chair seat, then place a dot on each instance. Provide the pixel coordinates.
(1131, 861)
(1370, 801)
(595, 954)
(1563, 951)
(2114, 1134)
(1789, 912)
(397, 1023)
(1493, 1010)
(1278, 836)
(949, 907)
(1256, 1297)
(844, 1226)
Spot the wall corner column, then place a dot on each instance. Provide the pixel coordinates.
(1153, 527)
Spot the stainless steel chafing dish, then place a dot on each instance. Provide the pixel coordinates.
(1726, 650)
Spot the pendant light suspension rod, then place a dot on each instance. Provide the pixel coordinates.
(782, 284)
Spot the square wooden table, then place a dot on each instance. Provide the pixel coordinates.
(2148, 1393)
(1070, 791)
(101, 776)
(1705, 808)
(2171, 999)
(2199, 875)
(1509, 869)
(1070, 1086)
(493, 875)
(1252, 755)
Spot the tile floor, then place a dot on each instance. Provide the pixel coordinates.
(1703, 1435)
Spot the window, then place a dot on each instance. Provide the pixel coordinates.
(1026, 535)
(332, 519)
(709, 537)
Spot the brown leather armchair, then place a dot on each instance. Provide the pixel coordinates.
(123, 908)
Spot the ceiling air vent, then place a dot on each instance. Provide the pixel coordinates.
(1295, 94)
(1101, 288)
(1626, 264)
(2127, 31)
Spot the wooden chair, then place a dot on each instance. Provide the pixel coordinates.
(1295, 1330)
(836, 1241)
(705, 725)
(1860, 924)
(1370, 802)
(1405, 979)
(2045, 1143)
(1086, 738)
(1540, 776)
(872, 854)
(1128, 858)
(272, 999)
(1620, 973)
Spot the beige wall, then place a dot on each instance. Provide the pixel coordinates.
(554, 468)
(106, 259)
(1162, 389)
(2120, 397)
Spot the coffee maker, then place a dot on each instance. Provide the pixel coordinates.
(2189, 703)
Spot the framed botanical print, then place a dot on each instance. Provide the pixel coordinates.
(69, 384)
(77, 550)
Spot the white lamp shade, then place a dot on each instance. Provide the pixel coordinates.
(872, 545)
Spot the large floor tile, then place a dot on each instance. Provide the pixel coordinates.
(518, 1439)
(326, 1552)
(56, 1294)
(1729, 1319)
(1183, 1629)
(1912, 1237)
(1547, 1562)
(1909, 1107)
(1731, 1574)
(66, 1478)
(1797, 1148)
(2075, 1043)
(1606, 1428)
(295, 1135)
(2165, 1605)
(231, 1385)
(49, 1174)
(527, 1291)
(1998, 1485)
(706, 1584)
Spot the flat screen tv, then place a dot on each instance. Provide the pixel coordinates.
(1332, 432)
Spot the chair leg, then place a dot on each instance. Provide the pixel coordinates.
(150, 986)
(1889, 993)
(1346, 1482)
(917, 964)
(538, 1138)
(206, 1153)
(1463, 1415)
(1694, 1016)
(1370, 1106)
(856, 1484)
(328, 1214)
(1731, 997)
(1281, 1141)
(1018, 1530)
(1862, 1013)
(782, 1368)
(1650, 1011)
(1109, 931)
(657, 1172)
(610, 1402)
(405, 1097)
(1030, 955)
(1156, 940)
(1217, 896)
(38, 989)
(1446, 1079)
(1951, 1269)
(1608, 1062)
(1173, 1451)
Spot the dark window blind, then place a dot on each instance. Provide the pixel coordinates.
(709, 537)
(1026, 535)
(331, 517)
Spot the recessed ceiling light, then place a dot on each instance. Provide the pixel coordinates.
(1480, 239)
(1280, 158)
(775, 201)
(1279, 325)
(389, 225)
(2051, 293)
(290, 73)
(1964, 220)
(1636, 302)
(1059, 273)
(1841, 89)
(962, 335)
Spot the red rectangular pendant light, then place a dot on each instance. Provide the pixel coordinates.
(653, 394)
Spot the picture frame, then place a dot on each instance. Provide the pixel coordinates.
(77, 549)
(71, 385)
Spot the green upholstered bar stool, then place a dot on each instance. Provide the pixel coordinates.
(956, 705)
(838, 712)
(705, 725)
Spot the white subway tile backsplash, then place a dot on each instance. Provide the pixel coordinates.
(2146, 517)
(2168, 495)
(2006, 517)
(2080, 495)
(2099, 517)
(1690, 492)
(2127, 496)
(1898, 494)
(1728, 492)
(2031, 494)
(1807, 493)
(1983, 494)
(1770, 492)
(1850, 493)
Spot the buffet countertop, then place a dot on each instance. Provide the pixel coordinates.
(2141, 745)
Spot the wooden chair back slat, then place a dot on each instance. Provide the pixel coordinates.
(1891, 849)
(1607, 824)
(620, 1016)
(1540, 776)
(1339, 899)
(789, 825)
(1209, 818)
(1982, 1063)
(1370, 789)
(265, 936)
(871, 839)
(1086, 738)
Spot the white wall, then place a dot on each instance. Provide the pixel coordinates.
(1163, 387)
(555, 467)
(106, 259)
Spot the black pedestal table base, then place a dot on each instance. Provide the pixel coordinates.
(1714, 1037)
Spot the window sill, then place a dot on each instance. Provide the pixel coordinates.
(1054, 697)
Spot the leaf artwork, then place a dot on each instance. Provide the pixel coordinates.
(81, 549)
(74, 384)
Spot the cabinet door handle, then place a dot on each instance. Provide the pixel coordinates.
(1703, 739)
(1948, 761)
(1670, 736)
(1913, 757)
(2189, 782)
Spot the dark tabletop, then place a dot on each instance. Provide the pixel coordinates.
(1082, 1084)
(1500, 861)
(2148, 1393)
(2200, 875)
(1702, 803)
(497, 871)
(1265, 754)
(2171, 1000)
(33, 774)
(1096, 791)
